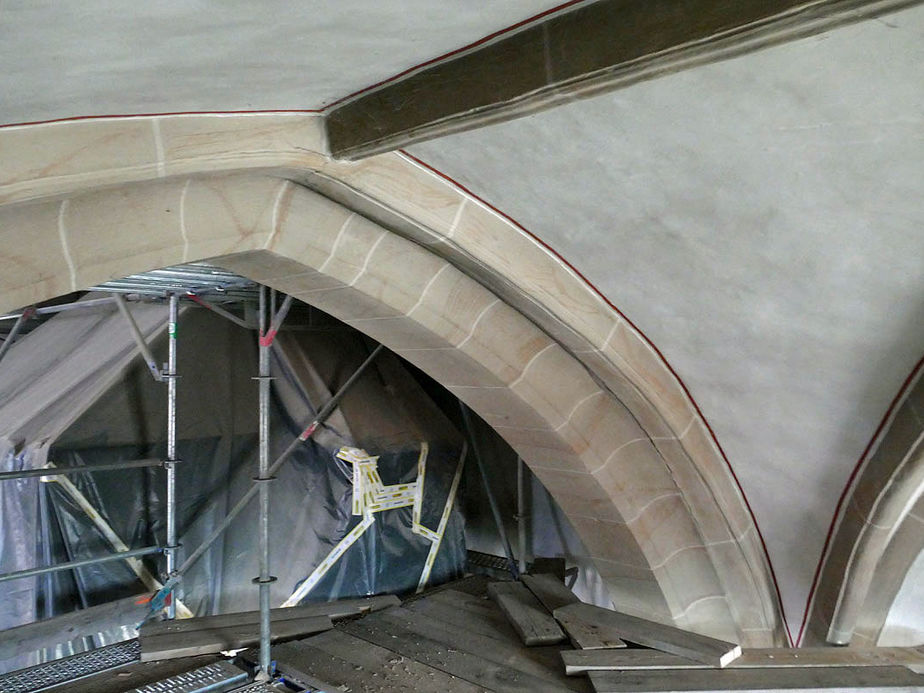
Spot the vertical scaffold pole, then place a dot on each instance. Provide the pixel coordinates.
(521, 512)
(265, 579)
(492, 501)
(170, 462)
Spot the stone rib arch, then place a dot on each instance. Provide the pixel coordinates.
(498, 319)
(877, 531)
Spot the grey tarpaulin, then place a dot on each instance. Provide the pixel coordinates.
(119, 414)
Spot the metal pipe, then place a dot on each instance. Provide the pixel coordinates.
(264, 580)
(17, 326)
(115, 541)
(121, 556)
(60, 308)
(48, 599)
(170, 462)
(139, 338)
(521, 512)
(218, 310)
(495, 510)
(277, 319)
(158, 599)
(55, 471)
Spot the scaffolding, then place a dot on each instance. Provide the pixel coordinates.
(223, 294)
(191, 282)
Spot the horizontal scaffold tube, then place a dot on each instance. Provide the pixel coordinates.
(120, 556)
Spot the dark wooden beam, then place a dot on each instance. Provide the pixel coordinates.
(577, 53)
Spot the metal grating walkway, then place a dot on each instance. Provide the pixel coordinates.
(43, 676)
(220, 676)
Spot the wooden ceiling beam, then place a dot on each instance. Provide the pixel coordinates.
(579, 52)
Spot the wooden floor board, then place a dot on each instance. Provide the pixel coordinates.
(336, 661)
(467, 620)
(542, 662)
(449, 653)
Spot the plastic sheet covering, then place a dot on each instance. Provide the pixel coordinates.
(46, 380)
(386, 413)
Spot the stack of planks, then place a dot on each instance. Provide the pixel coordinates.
(543, 611)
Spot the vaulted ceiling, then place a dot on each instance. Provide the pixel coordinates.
(760, 218)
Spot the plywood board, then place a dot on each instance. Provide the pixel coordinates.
(526, 614)
(701, 648)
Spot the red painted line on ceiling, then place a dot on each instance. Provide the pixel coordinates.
(654, 348)
(839, 509)
(474, 44)
(114, 116)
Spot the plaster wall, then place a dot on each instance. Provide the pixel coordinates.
(761, 221)
(64, 59)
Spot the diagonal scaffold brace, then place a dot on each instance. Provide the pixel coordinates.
(159, 600)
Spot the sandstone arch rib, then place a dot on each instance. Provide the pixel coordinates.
(494, 316)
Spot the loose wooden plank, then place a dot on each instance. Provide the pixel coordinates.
(67, 627)
(578, 662)
(449, 653)
(763, 680)
(526, 614)
(335, 609)
(553, 594)
(701, 648)
(210, 641)
(549, 590)
(589, 636)
(335, 661)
